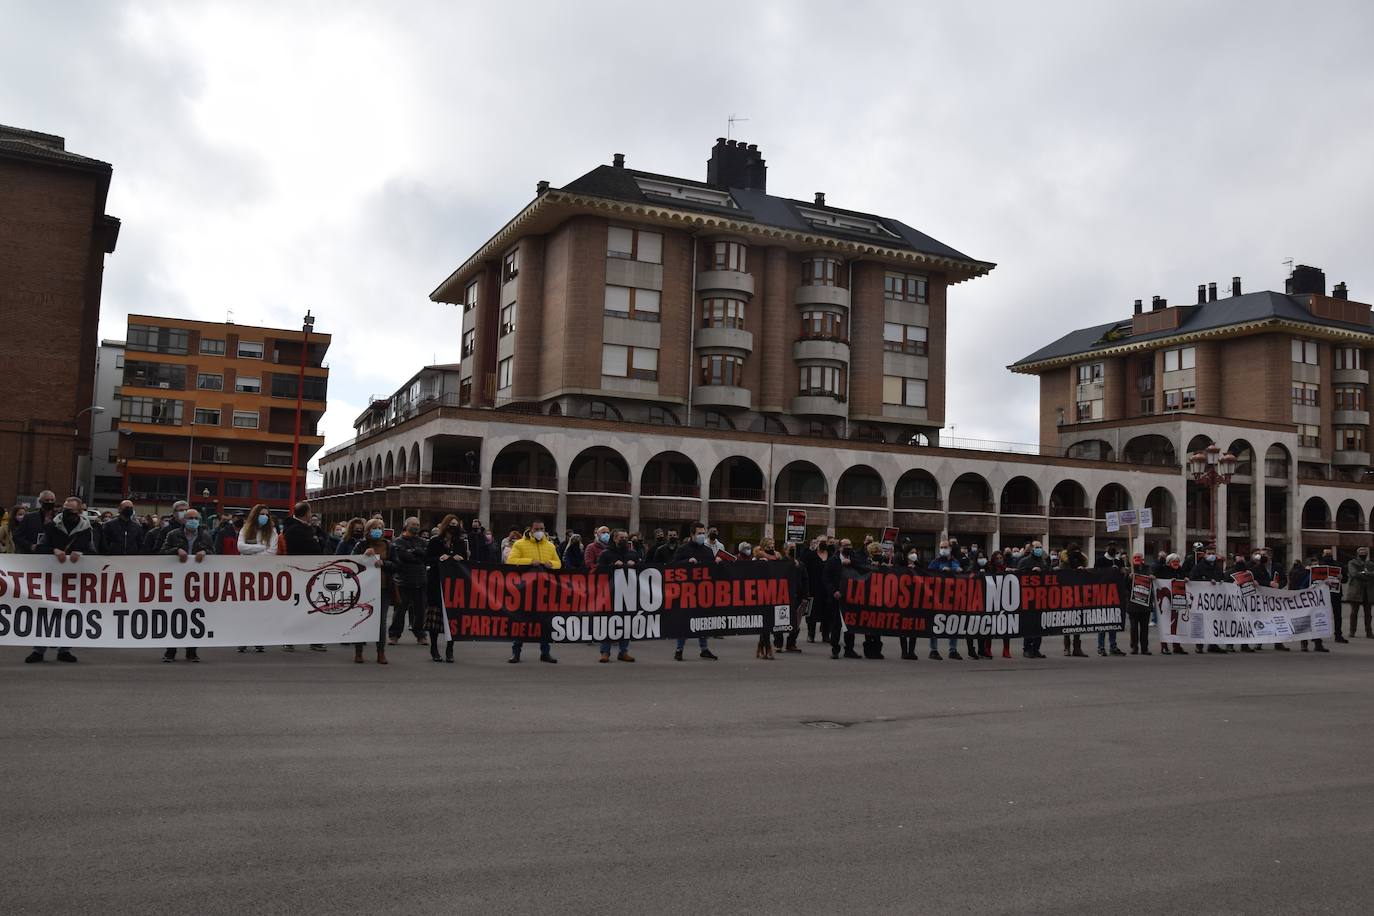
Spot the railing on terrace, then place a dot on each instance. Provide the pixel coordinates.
(741, 494)
(919, 503)
(523, 482)
(971, 505)
(598, 486)
(1022, 509)
(674, 490)
(1070, 511)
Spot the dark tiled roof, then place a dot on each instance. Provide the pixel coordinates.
(1232, 310)
(29, 144)
(759, 207)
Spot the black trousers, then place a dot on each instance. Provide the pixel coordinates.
(412, 605)
(1139, 623)
(1354, 616)
(908, 644)
(1335, 599)
(789, 639)
(833, 627)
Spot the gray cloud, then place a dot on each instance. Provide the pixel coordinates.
(345, 157)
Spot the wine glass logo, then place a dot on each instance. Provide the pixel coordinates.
(331, 583)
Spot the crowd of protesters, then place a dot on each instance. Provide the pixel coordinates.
(410, 562)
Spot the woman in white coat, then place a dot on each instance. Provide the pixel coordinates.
(258, 538)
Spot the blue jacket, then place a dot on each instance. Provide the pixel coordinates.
(945, 564)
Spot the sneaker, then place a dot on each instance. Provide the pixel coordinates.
(605, 658)
(549, 659)
(1341, 639)
(513, 660)
(242, 649)
(850, 653)
(66, 657)
(1246, 649)
(259, 649)
(624, 657)
(1323, 648)
(677, 656)
(1101, 651)
(168, 659)
(189, 658)
(1280, 647)
(708, 654)
(935, 655)
(834, 655)
(1079, 653)
(1027, 653)
(954, 655)
(33, 657)
(1116, 651)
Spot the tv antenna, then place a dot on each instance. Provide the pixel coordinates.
(730, 124)
(1288, 262)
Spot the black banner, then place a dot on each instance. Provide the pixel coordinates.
(897, 601)
(645, 602)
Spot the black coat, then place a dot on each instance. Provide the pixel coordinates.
(80, 539)
(301, 539)
(179, 539)
(479, 551)
(123, 538)
(814, 568)
(30, 530)
(691, 550)
(613, 555)
(436, 548)
(834, 570)
(410, 554)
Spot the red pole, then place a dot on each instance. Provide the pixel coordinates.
(300, 395)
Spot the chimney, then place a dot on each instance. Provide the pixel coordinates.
(1201, 294)
(1339, 291)
(1212, 292)
(1138, 307)
(618, 160)
(1305, 280)
(1158, 303)
(736, 165)
(820, 198)
(541, 188)
(1235, 286)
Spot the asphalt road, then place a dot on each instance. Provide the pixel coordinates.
(302, 783)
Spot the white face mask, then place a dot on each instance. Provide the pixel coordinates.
(539, 535)
(944, 551)
(913, 557)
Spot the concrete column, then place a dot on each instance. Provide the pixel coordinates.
(561, 522)
(1179, 535)
(1221, 493)
(1257, 509)
(832, 500)
(1295, 546)
(635, 480)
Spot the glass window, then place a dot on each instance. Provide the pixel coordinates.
(1180, 358)
(246, 419)
(904, 392)
(1349, 397)
(722, 313)
(1305, 394)
(1304, 351)
(278, 459)
(644, 363)
(157, 340)
(1348, 358)
(820, 271)
(211, 347)
(510, 267)
(274, 489)
(618, 301)
(822, 325)
(615, 360)
(247, 384)
(728, 256)
(714, 420)
(217, 454)
(1089, 373)
(722, 370)
(210, 381)
(250, 349)
(620, 242)
(1309, 435)
(904, 287)
(469, 343)
(154, 375)
(206, 416)
(470, 297)
(662, 417)
(820, 381)
(503, 373)
(239, 488)
(904, 338)
(151, 410)
(508, 320)
(465, 392)
(649, 247)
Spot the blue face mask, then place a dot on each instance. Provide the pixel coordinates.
(375, 534)
(191, 524)
(262, 520)
(604, 537)
(1038, 551)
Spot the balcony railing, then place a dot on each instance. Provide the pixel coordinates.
(450, 478)
(971, 505)
(598, 486)
(676, 490)
(919, 503)
(741, 494)
(1070, 511)
(523, 482)
(862, 500)
(1022, 509)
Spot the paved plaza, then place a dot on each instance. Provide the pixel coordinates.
(302, 783)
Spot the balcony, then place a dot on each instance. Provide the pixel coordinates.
(619, 487)
(1350, 376)
(821, 295)
(1341, 417)
(671, 490)
(730, 281)
(817, 348)
(523, 482)
(722, 396)
(724, 339)
(1016, 509)
(1070, 511)
(1345, 458)
(819, 405)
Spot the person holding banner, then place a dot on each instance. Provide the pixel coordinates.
(1359, 589)
(1333, 578)
(813, 562)
(184, 541)
(1138, 612)
(1110, 560)
(847, 557)
(258, 538)
(537, 552)
(376, 547)
(946, 562)
(67, 535)
(1207, 570)
(696, 552)
(449, 544)
(787, 641)
(620, 555)
(355, 534)
(1299, 578)
(1034, 562)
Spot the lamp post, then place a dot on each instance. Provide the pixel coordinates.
(1212, 469)
(76, 431)
(309, 323)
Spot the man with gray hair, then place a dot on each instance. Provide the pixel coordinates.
(153, 543)
(410, 552)
(186, 541)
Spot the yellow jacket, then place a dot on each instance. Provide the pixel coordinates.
(527, 550)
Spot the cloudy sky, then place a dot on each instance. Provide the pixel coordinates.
(341, 157)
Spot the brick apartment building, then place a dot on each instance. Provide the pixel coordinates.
(54, 235)
(1278, 379)
(209, 409)
(649, 351)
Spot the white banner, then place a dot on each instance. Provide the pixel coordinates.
(1225, 613)
(142, 602)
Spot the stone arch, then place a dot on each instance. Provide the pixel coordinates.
(917, 489)
(1150, 449)
(737, 478)
(599, 470)
(970, 492)
(1277, 461)
(1111, 498)
(1021, 496)
(390, 470)
(1349, 516)
(1090, 450)
(1316, 514)
(1069, 499)
(1245, 457)
(801, 482)
(670, 474)
(525, 465)
(861, 485)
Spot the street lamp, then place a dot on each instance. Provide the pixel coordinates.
(76, 431)
(1212, 469)
(307, 325)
